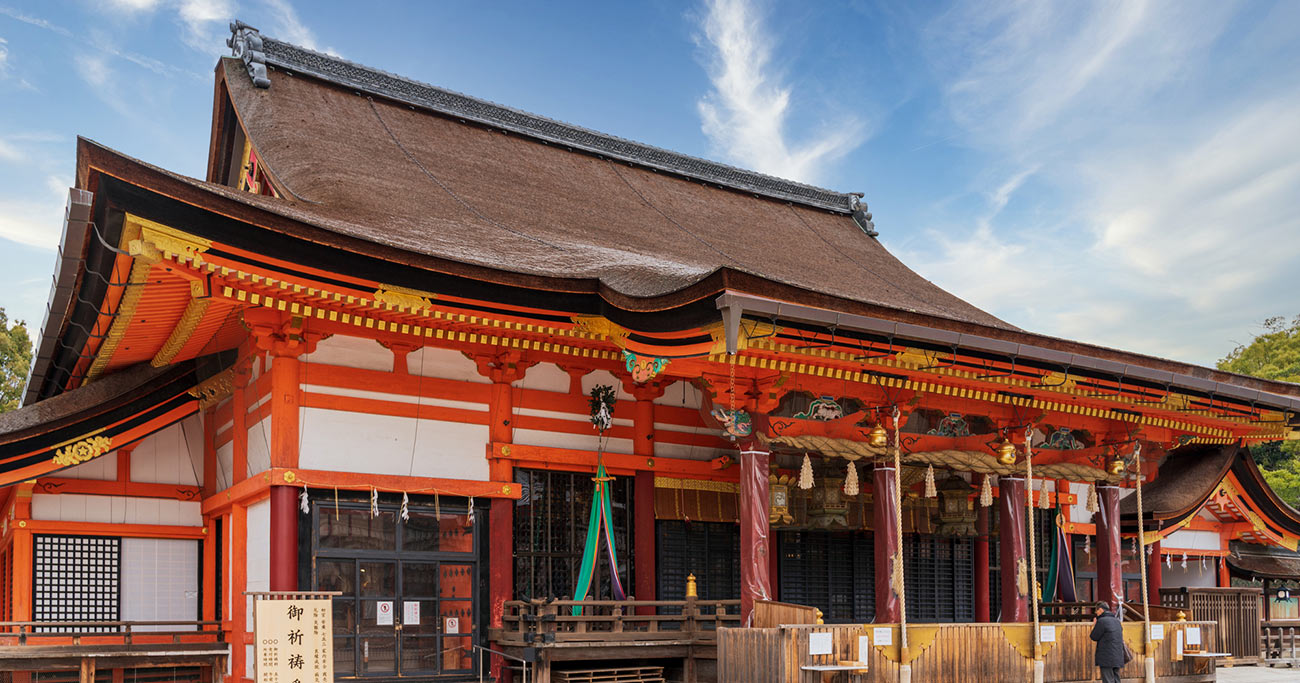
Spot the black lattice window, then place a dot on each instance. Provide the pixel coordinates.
(832, 571)
(709, 550)
(77, 578)
(550, 524)
(939, 573)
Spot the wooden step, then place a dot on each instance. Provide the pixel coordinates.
(626, 674)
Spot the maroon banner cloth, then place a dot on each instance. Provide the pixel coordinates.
(885, 515)
(1011, 549)
(755, 584)
(1110, 577)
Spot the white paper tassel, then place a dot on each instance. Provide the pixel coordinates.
(930, 491)
(302, 500)
(805, 473)
(1087, 546)
(851, 481)
(1135, 545)
(986, 492)
(471, 510)
(1094, 505)
(1169, 561)
(1184, 563)
(405, 514)
(374, 502)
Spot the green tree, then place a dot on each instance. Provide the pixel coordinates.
(1275, 354)
(15, 361)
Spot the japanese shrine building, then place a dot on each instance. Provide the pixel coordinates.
(358, 356)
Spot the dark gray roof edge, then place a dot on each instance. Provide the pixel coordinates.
(849, 321)
(269, 51)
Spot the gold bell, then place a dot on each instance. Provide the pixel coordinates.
(878, 438)
(1006, 452)
(1116, 467)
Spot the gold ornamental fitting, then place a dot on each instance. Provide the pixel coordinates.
(1006, 452)
(690, 586)
(1116, 467)
(290, 477)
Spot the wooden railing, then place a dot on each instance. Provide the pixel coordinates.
(540, 622)
(87, 633)
(1066, 611)
(1279, 641)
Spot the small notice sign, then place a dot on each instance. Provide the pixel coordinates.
(820, 644)
(1157, 631)
(882, 635)
(411, 613)
(1047, 634)
(294, 641)
(1193, 635)
(384, 613)
(452, 625)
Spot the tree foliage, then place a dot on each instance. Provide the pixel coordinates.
(1275, 354)
(15, 361)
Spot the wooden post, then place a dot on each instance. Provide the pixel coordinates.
(22, 572)
(238, 584)
(1110, 578)
(887, 542)
(982, 562)
(284, 538)
(209, 571)
(87, 672)
(285, 392)
(643, 498)
(1016, 582)
(1155, 575)
(1225, 579)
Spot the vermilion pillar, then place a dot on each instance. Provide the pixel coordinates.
(755, 584)
(1011, 550)
(982, 563)
(284, 538)
(1155, 574)
(284, 453)
(884, 507)
(1225, 579)
(643, 494)
(1110, 576)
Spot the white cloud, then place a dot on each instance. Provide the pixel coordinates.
(4, 57)
(205, 23)
(746, 112)
(36, 221)
(133, 5)
(8, 152)
(287, 25)
(35, 21)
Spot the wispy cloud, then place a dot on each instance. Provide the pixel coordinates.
(4, 57)
(287, 25)
(1176, 200)
(745, 115)
(35, 21)
(34, 221)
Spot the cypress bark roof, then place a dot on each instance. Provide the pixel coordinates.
(373, 156)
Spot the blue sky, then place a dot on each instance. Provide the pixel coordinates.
(1123, 173)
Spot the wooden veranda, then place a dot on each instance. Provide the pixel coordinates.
(189, 651)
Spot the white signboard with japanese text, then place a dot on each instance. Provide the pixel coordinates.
(411, 613)
(384, 613)
(294, 641)
(882, 635)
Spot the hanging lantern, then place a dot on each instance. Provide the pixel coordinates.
(986, 492)
(930, 492)
(955, 516)
(1283, 594)
(805, 473)
(878, 438)
(851, 480)
(1094, 504)
(1006, 452)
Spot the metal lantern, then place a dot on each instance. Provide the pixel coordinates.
(956, 518)
(878, 438)
(1283, 594)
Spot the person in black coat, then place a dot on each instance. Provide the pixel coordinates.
(1109, 634)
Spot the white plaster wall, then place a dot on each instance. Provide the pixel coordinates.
(681, 395)
(71, 507)
(259, 562)
(351, 352)
(103, 468)
(160, 580)
(591, 379)
(431, 361)
(259, 447)
(381, 444)
(545, 377)
(1079, 511)
(536, 437)
(225, 463)
(1191, 539)
(171, 455)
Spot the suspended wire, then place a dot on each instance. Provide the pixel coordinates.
(665, 216)
(448, 190)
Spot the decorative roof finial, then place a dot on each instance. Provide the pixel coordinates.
(246, 43)
(860, 214)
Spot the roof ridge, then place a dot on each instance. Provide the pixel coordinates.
(258, 51)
